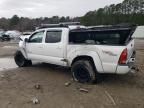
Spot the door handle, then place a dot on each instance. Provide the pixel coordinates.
(40, 46)
(58, 48)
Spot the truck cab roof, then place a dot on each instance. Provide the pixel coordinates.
(68, 25)
(76, 27)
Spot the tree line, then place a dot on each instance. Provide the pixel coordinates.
(129, 11)
(27, 24)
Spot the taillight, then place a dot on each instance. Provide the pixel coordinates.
(123, 57)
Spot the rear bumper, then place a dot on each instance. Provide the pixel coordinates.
(124, 69)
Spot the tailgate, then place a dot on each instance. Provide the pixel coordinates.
(131, 54)
(131, 51)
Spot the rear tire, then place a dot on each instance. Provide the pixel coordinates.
(84, 72)
(20, 60)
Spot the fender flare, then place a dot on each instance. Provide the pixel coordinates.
(22, 50)
(93, 55)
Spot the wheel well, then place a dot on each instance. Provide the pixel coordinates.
(85, 58)
(22, 52)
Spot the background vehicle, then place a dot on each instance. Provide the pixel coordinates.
(13, 34)
(1, 35)
(6, 37)
(87, 50)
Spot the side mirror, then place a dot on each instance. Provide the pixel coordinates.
(26, 40)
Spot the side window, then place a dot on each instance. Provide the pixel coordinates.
(95, 37)
(37, 37)
(53, 36)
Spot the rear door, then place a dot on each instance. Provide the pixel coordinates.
(53, 49)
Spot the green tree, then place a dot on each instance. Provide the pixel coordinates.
(129, 11)
(14, 21)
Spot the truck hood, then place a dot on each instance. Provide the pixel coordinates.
(23, 37)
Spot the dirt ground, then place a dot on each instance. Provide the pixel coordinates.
(17, 86)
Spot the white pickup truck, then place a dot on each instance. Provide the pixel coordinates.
(88, 51)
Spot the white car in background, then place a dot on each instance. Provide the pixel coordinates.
(13, 34)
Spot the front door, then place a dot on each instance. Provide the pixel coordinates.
(53, 48)
(34, 45)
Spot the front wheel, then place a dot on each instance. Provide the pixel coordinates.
(20, 60)
(83, 71)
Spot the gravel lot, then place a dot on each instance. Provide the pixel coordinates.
(18, 86)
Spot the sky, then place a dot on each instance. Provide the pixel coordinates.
(48, 8)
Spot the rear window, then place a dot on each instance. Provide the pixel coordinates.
(53, 36)
(99, 37)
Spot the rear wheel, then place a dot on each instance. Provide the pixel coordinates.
(83, 71)
(20, 60)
